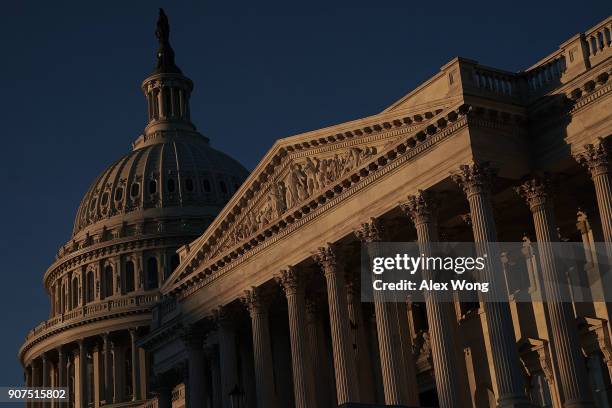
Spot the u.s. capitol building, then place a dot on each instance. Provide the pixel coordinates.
(190, 282)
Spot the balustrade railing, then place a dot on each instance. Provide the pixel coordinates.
(92, 309)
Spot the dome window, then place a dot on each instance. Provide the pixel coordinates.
(152, 187)
(129, 277)
(119, 194)
(189, 184)
(206, 185)
(92, 206)
(171, 185)
(135, 191)
(223, 187)
(104, 199)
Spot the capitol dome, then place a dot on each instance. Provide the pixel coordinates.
(177, 175)
(128, 228)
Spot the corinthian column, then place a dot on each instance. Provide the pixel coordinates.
(228, 361)
(596, 158)
(344, 364)
(135, 366)
(294, 291)
(196, 393)
(84, 398)
(572, 370)
(421, 209)
(108, 385)
(475, 180)
(257, 304)
(391, 364)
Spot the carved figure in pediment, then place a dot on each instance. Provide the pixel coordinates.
(278, 193)
(311, 171)
(296, 185)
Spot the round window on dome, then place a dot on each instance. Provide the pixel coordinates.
(189, 185)
(135, 191)
(152, 187)
(171, 185)
(119, 194)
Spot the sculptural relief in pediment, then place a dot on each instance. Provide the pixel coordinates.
(297, 181)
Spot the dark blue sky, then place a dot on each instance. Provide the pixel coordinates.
(70, 100)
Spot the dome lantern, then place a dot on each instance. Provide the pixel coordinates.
(167, 90)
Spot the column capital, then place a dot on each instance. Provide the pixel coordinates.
(536, 191)
(596, 157)
(222, 316)
(371, 231)
(326, 258)
(289, 280)
(420, 207)
(255, 300)
(474, 178)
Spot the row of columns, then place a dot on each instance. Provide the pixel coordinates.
(71, 371)
(398, 374)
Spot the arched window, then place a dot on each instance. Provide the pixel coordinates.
(119, 194)
(129, 276)
(189, 185)
(223, 187)
(152, 280)
(108, 281)
(63, 299)
(75, 292)
(206, 185)
(135, 191)
(171, 185)
(152, 187)
(90, 287)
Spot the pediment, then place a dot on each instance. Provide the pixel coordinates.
(296, 175)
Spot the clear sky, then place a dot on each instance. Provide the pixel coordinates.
(70, 99)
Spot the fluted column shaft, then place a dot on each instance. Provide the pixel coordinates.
(197, 385)
(363, 361)
(597, 159)
(422, 210)
(135, 367)
(257, 305)
(344, 363)
(108, 385)
(228, 363)
(61, 371)
(323, 381)
(475, 181)
(83, 374)
(570, 363)
(28, 381)
(392, 367)
(294, 291)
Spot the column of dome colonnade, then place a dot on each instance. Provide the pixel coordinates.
(537, 192)
(422, 209)
(398, 389)
(475, 181)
